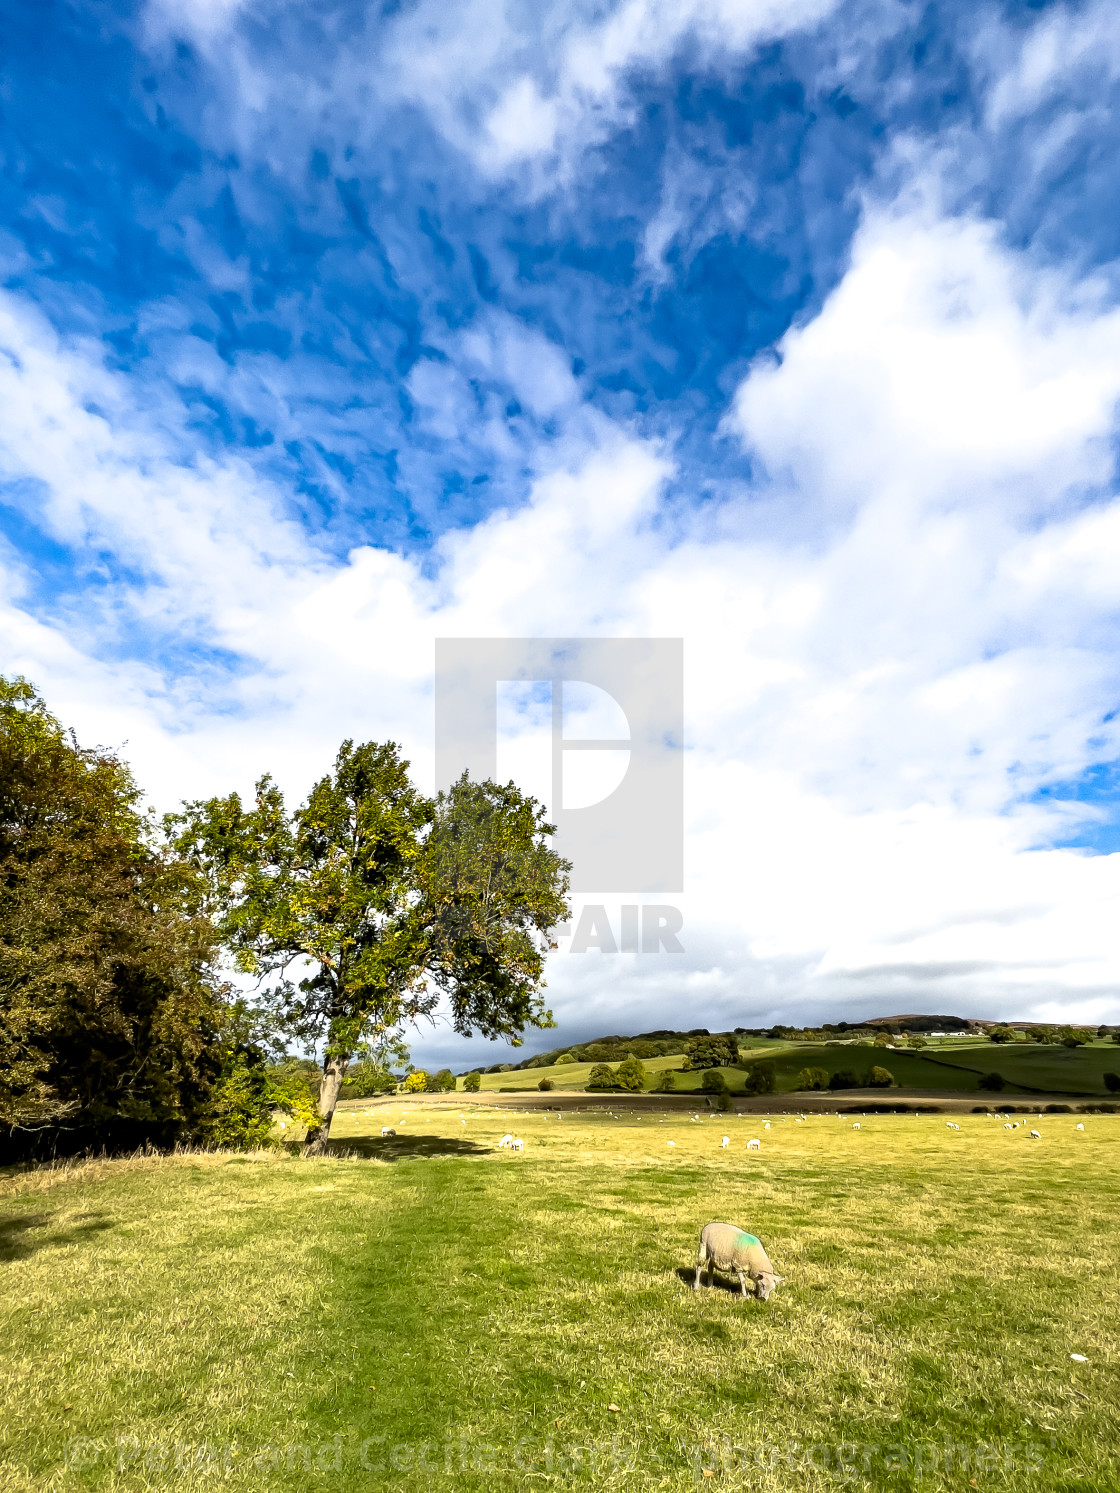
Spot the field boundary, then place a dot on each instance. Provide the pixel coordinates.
(1012, 1082)
(844, 1101)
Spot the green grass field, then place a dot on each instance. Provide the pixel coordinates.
(572, 1077)
(950, 1064)
(441, 1314)
(1050, 1069)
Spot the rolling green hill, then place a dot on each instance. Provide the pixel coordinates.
(951, 1066)
(1049, 1069)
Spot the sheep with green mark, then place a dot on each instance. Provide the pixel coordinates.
(726, 1247)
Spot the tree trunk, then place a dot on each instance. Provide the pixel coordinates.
(334, 1071)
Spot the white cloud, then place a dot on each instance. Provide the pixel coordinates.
(208, 20)
(509, 86)
(569, 65)
(874, 687)
(942, 370)
(1068, 51)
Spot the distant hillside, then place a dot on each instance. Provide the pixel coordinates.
(663, 1042)
(919, 1023)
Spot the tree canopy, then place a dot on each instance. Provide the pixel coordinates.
(713, 1051)
(111, 1020)
(370, 906)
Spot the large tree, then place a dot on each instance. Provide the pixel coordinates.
(371, 906)
(110, 1027)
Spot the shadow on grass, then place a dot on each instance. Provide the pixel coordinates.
(719, 1282)
(22, 1236)
(404, 1147)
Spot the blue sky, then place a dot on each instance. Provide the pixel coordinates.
(788, 328)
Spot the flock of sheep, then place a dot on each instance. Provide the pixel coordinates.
(725, 1246)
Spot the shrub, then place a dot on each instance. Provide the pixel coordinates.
(843, 1078)
(545, 1085)
(713, 1082)
(879, 1078)
(723, 1101)
(1112, 1082)
(565, 1057)
(666, 1082)
(243, 1104)
(993, 1082)
(416, 1082)
(1001, 1034)
(914, 1040)
(441, 1082)
(1057, 1109)
(631, 1075)
(812, 1078)
(601, 1077)
(883, 1039)
(365, 1080)
(761, 1078)
(472, 1083)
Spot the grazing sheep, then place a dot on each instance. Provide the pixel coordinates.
(767, 1125)
(387, 1130)
(517, 1144)
(506, 1140)
(725, 1142)
(724, 1246)
(856, 1126)
(754, 1145)
(1035, 1135)
(1009, 1127)
(1079, 1127)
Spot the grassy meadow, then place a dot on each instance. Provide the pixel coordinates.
(431, 1312)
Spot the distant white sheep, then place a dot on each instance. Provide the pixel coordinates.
(672, 1142)
(517, 1144)
(767, 1125)
(1079, 1127)
(1035, 1135)
(856, 1126)
(754, 1145)
(506, 1140)
(387, 1130)
(725, 1142)
(1009, 1127)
